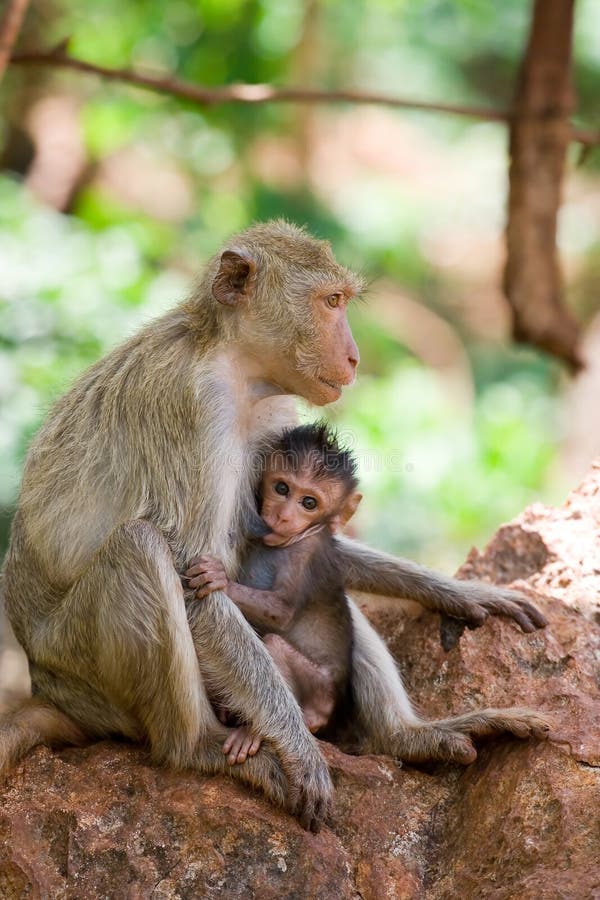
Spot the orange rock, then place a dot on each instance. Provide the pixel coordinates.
(522, 821)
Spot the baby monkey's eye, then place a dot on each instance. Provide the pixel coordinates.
(281, 488)
(309, 503)
(334, 300)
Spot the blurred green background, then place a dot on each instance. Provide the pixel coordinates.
(111, 199)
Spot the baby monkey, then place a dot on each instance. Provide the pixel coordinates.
(291, 586)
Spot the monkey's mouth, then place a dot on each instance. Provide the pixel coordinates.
(274, 539)
(331, 384)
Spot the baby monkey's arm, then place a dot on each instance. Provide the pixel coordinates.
(268, 610)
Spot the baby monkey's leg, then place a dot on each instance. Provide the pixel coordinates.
(312, 685)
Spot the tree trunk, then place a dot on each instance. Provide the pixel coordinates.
(539, 138)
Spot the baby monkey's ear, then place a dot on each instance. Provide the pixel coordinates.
(345, 513)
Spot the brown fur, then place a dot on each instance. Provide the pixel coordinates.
(32, 722)
(124, 484)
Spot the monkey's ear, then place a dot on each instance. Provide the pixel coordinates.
(342, 518)
(234, 282)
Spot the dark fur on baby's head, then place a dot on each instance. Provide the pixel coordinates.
(316, 446)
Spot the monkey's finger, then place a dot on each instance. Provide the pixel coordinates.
(203, 564)
(210, 586)
(199, 582)
(228, 743)
(232, 756)
(313, 816)
(470, 611)
(217, 582)
(254, 746)
(194, 583)
(204, 592)
(234, 741)
(308, 821)
(536, 617)
(201, 558)
(246, 747)
(515, 612)
(238, 752)
(515, 606)
(242, 756)
(322, 810)
(311, 811)
(196, 580)
(196, 572)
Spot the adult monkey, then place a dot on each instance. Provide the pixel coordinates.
(146, 462)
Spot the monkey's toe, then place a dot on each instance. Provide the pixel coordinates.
(459, 749)
(310, 795)
(531, 725)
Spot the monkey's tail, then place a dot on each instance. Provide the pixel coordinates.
(31, 722)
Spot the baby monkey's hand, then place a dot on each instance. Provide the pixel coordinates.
(206, 574)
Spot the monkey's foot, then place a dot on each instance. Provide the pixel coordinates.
(240, 744)
(429, 741)
(310, 790)
(450, 740)
(522, 722)
(300, 783)
(263, 771)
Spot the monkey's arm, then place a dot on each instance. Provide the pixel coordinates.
(375, 572)
(267, 610)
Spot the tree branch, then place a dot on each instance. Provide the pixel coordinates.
(9, 30)
(264, 93)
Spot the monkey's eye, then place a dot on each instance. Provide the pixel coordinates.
(281, 488)
(334, 300)
(309, 503)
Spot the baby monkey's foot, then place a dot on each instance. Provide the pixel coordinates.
(241, 744)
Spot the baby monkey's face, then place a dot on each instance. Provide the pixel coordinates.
(293, 501)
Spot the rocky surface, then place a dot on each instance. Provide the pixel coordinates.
(522, 821)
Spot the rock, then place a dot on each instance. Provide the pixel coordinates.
(522, 821)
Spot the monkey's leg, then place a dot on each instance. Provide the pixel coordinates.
(119, 657)
(238, 668)
(472, 601)
(312, 685)
(390, 725)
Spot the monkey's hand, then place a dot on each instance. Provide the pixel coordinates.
(373, 572)
(206, 574)
(472, 602)
(310, 789)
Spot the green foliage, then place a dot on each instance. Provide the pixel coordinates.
(438, 476)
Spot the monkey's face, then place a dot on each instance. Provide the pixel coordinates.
(316, 356)
(325, 353)
(291, 299)
(293, 501)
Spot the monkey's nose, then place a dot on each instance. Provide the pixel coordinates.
(353, 354)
